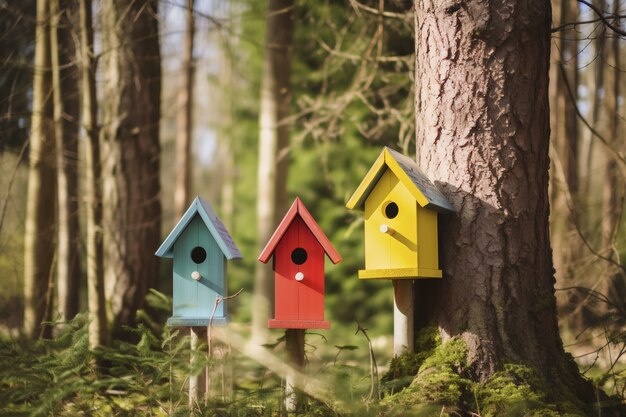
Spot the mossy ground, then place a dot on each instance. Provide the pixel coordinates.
(442, 386)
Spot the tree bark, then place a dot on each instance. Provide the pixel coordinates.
(95, 256)
(482, 128)
(185, 121)
(130, 139)
(39, 233)
(66, 106)
(273, 148)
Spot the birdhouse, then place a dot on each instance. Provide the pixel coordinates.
(298, 246)
(200, 246)
(401, 207)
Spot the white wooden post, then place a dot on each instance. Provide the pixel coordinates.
(294, 340)
(402, 316)
(196, 381)
(193, 379)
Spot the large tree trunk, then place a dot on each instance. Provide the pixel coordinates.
(130, 137)
(66, 105)
(40, 209)
(273, 148)
(95, 256)
(482, 126)
(184, 122)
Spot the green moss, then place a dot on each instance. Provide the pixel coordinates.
(403, 368)
(518, 391)
(442, 385)
(439, 385)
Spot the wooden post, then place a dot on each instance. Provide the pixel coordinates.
(402, 316)
(196, 381)
(294, 339)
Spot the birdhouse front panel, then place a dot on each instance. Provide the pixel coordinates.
(299, 273)
(390, 226)
(199, 273)
(298, 248)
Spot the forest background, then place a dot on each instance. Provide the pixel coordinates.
(336, 82)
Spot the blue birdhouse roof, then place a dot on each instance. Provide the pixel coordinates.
(213, 223)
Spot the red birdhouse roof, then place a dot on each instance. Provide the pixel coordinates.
(298, 209)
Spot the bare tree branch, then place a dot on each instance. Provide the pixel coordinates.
(604, 18)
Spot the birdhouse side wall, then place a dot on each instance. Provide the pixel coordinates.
(428, 243)
(196, 298)
(397, 248)
(299, 300)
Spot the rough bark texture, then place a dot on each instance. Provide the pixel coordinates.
(130, 139)
(66, 107)
(482, 126)
(184, 121)
(273, 144)
(40, 208)
(95, 254)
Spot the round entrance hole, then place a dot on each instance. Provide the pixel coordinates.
(391, 210)
(198, 254)
(298, 256)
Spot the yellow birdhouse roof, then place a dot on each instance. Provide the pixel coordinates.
(408, 173)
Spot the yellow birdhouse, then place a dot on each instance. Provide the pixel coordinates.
(401, 206)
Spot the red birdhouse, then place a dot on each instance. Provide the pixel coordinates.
(298, 246)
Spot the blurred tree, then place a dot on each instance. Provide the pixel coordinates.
(95, 253)
(65, 79)
(185, 120)
(39, 241)
(273, 149)
(482, 126)
(567, 207)
(130, 137)
(613, 187)
(17, 24)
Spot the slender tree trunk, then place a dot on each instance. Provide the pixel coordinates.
(273, 148)
(229, 143)
(482, 126)
(185, 120)
(95, 256)
(130, 137)
(610, 192)
(565, 202)
(588, 141)
(612, 186)
(66, 106)
(40, 209)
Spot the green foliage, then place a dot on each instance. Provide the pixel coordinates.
(63, 377)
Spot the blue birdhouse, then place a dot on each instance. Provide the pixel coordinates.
(200, 246)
